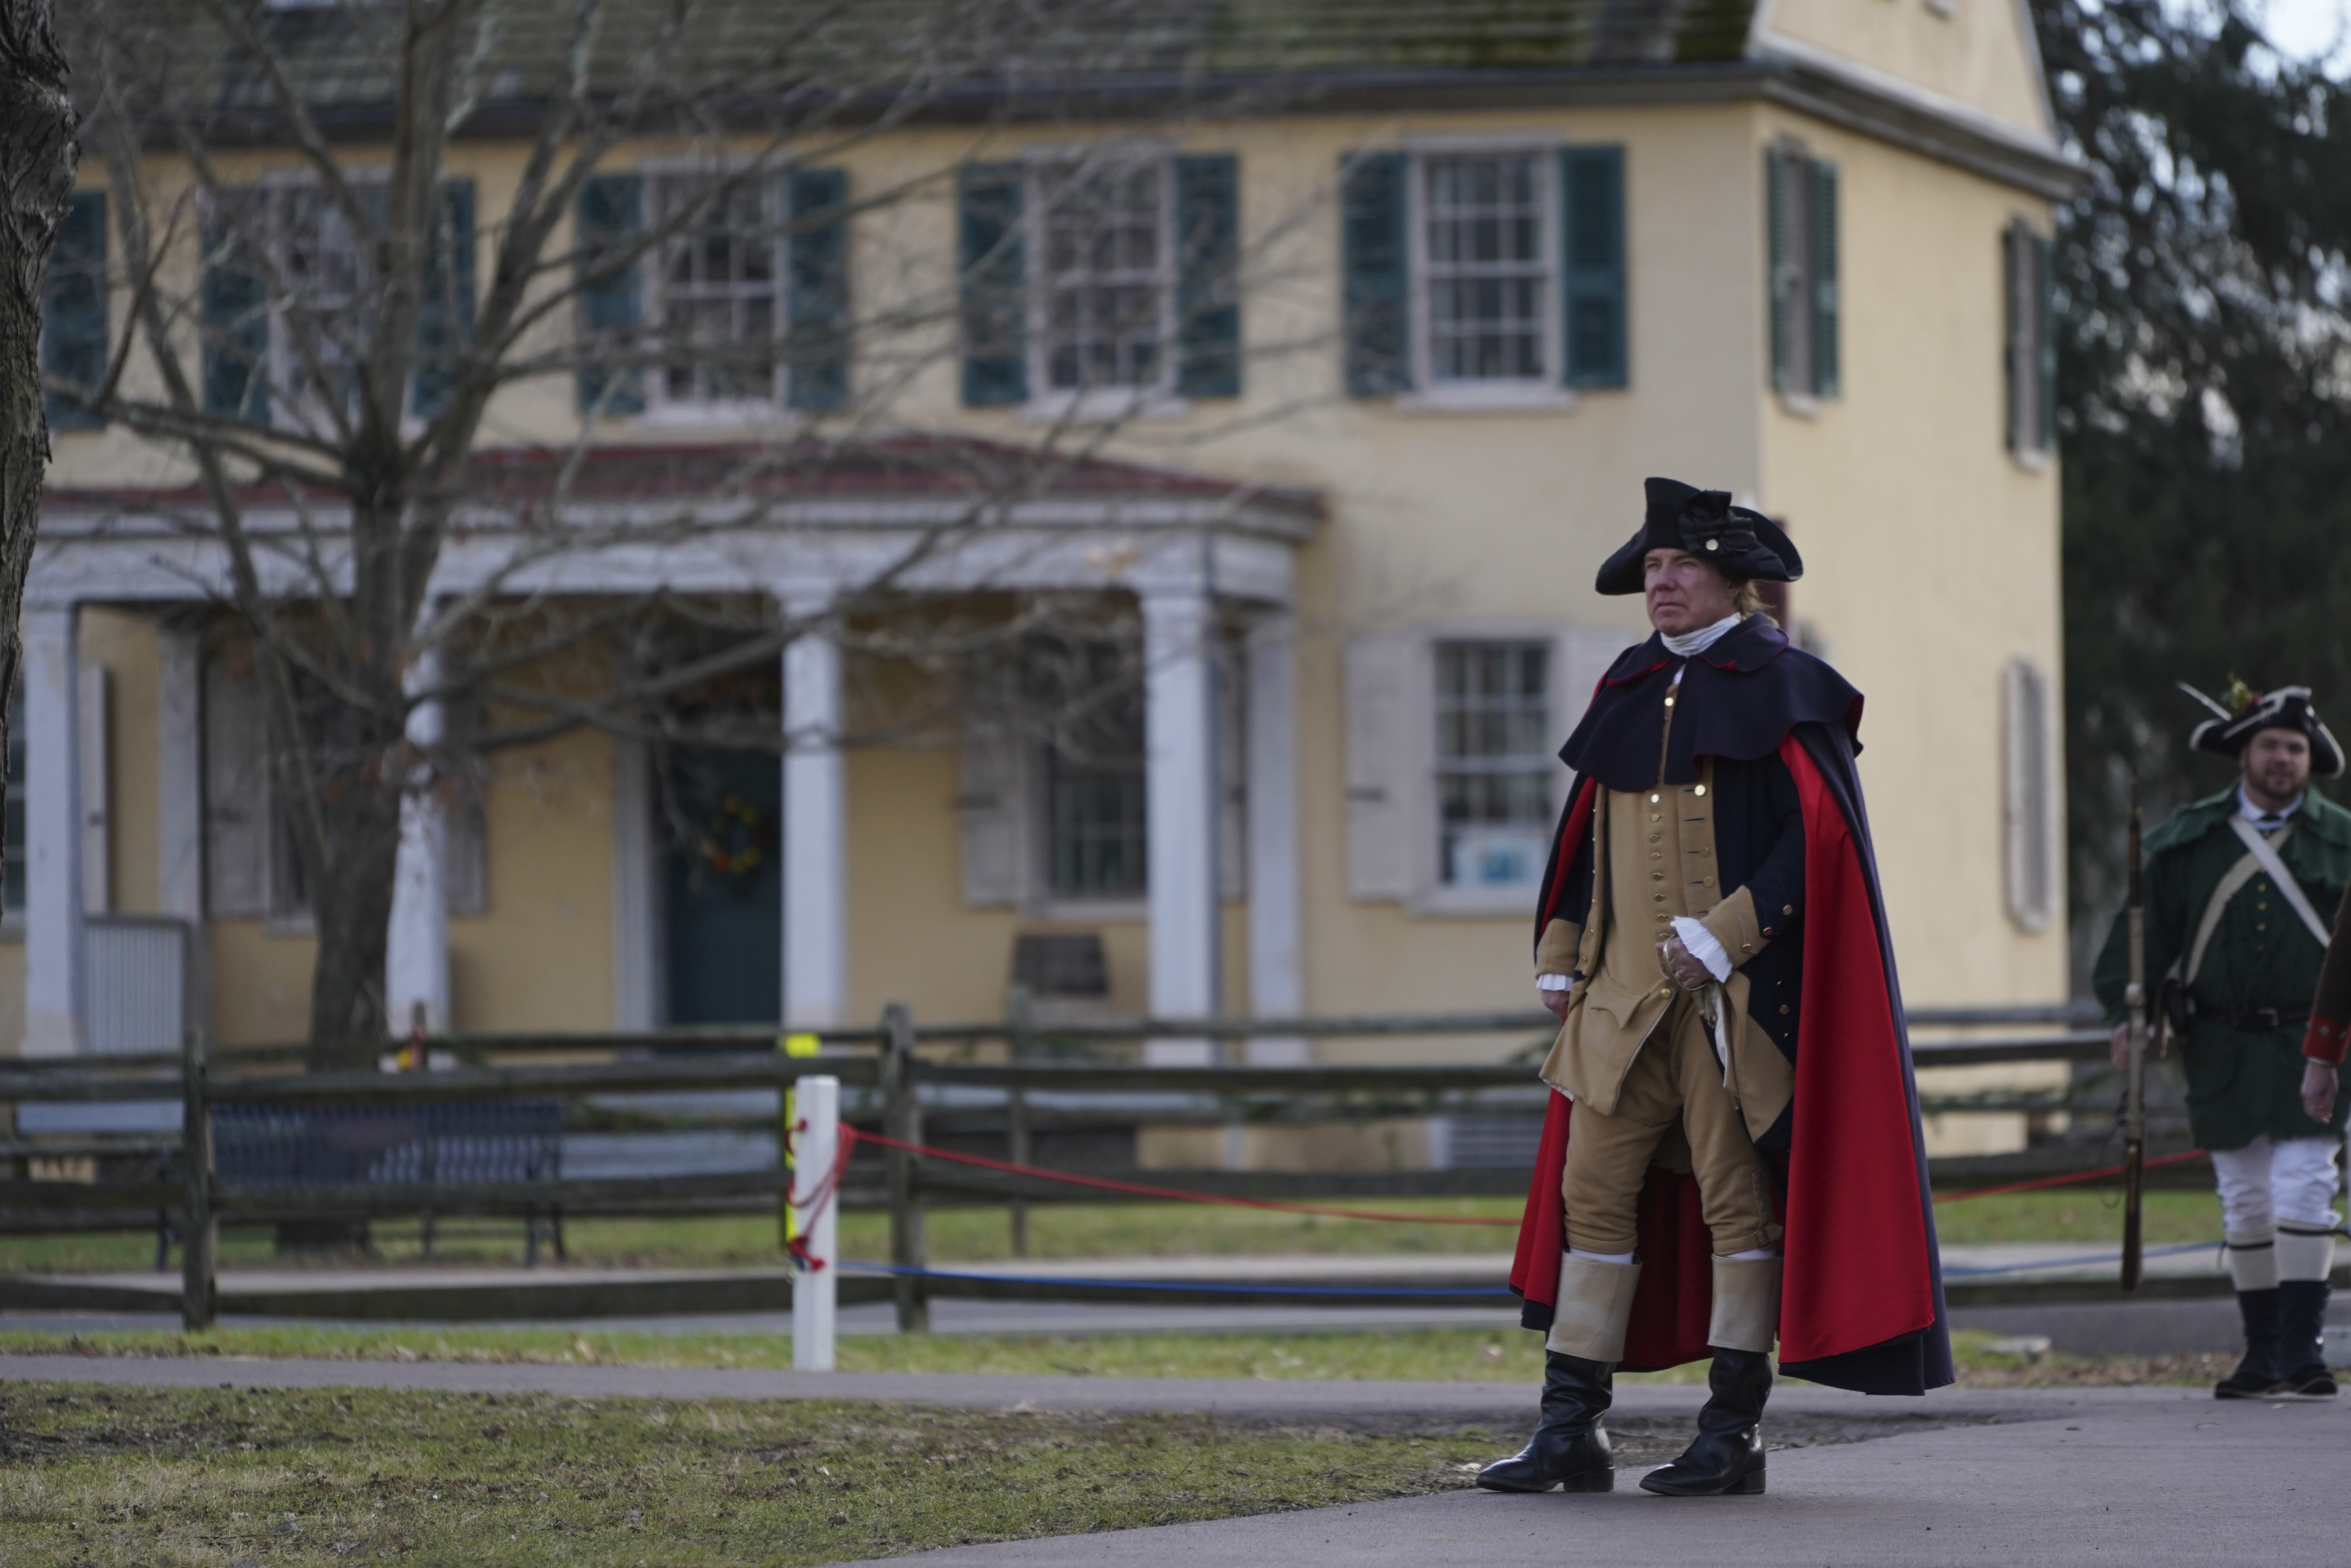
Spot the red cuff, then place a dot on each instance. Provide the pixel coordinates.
(2324, 1041)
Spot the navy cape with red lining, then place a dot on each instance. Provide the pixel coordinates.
(1862, 1298)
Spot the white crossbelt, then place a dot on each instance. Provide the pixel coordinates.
(2262, 850)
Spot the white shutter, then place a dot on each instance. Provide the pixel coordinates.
(2030, 796)
(1581, 659)
(991, 801)
(91, 722)
(1385, 756)
(236, 793)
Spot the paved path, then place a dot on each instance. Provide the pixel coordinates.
(2147, 1478)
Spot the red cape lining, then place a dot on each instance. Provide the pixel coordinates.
(1858, 1270)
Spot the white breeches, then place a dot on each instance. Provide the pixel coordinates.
(2277, 1207)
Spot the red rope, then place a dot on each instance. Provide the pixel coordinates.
(2069, 1178)
(823, 1193)
(1142, 1190)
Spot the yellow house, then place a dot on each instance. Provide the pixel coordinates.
(1495, 266)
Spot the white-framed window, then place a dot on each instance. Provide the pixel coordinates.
(714, 300)
(1494, 768)
(1102, 300)
(2029, 799)
(1054, 788)
(1454, 783)
(1485, 239)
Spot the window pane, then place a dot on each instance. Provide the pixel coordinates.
(1494, 763)
(719, 310)
(1089, 698)
(1105, 276)
(1489, 276)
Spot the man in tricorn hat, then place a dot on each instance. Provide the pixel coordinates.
(2234, 887)
(1732, 1156)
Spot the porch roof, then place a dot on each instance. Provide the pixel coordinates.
(806, 480)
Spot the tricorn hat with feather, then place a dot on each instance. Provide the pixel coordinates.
(2246, 713)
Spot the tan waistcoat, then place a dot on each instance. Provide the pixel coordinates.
(1652, 859)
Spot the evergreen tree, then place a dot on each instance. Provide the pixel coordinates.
(2206, 396)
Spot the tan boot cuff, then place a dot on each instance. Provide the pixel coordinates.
(1595, 1302)
(1746, 1304)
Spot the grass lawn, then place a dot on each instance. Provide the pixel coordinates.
(2088, 1215)
(1502, 1355)
(226, 1477)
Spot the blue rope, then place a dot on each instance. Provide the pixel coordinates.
(1269, 1289)
(2074, 1262)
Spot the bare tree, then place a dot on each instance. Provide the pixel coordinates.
(310, 340)
(38, 154)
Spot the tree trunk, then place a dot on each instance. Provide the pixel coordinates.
(38, 155)
(351, 910)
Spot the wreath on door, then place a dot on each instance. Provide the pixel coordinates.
(735, 840)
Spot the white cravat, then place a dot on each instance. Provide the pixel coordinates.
(2267, 821)
(1699, 640)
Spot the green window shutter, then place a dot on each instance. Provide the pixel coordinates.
(1592, 191)
(2044, 335)
(816, 344)
(994, 257)
(2012, 335)
(1207, 288)
(444, 306)
(1373, 261)
(235, 305)
(611, 209)
(1823, 258)
(1780, 265)
(73, 310)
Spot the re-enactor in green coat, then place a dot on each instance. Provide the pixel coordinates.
(2238, 947)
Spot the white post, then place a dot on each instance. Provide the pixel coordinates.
(634, 968)
(816, 1288)
(1180, 803)
(1277, 986)
(815, 837)
(416, 949)
(53, 837)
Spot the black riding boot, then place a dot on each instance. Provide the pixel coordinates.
(1728, 1456)
(2259, 1371)
(2301, 1338)
(1570, 1448)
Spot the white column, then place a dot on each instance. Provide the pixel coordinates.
(1179, 785)
(416, 953)
(633, 901)
(1277, 985)
(815, 837)
(53, 890)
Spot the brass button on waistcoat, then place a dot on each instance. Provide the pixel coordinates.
(1710, 882)
(1661, 897)
(1783, 1010)
(1766, 931)
(1787, 909)
(1656, 876)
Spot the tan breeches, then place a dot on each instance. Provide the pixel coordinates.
(1676, 1077)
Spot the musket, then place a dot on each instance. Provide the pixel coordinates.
(2135, 1072)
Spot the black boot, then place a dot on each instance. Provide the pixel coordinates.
(1728, 1456)
(2300, 1339)
(2259, 1371)
(1570, 1448)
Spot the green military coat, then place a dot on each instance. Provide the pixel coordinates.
(2242, 1082)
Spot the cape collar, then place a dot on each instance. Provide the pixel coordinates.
(1746, 647)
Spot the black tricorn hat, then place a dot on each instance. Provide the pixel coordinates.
(1745, 544)
(2248, 712)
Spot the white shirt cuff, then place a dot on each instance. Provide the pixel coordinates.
(1703, 947)
(1555, 982)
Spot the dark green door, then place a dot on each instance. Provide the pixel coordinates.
(725, 876)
